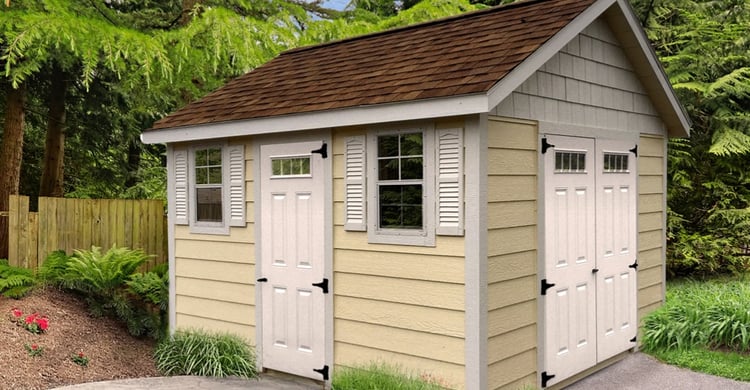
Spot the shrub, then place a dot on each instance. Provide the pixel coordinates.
(54, 267)
(15, 282)
(197, 352)
(150, 298)
(381, 376)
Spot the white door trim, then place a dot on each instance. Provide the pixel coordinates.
(323, 136)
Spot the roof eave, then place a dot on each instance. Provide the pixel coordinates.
(351, 116)
(672, 112)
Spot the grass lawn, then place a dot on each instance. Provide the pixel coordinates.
(703, 326)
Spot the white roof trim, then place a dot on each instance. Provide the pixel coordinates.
(362, 115)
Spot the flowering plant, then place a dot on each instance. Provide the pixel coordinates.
(34, 323)
(80, 359)
(34, 349)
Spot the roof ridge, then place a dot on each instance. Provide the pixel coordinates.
(443, 20)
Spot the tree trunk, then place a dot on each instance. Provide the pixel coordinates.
(51, 183)
(10, 156)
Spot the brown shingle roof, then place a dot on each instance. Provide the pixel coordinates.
(466, 54)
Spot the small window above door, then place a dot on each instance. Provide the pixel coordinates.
(291, 166)
(570, 161)
(615, 163)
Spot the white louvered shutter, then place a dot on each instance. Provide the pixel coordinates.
(354, 182)
(236, 185)
(449, 175)
(180, 164)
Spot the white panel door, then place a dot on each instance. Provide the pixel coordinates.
(292, 258)
(616, 226)
(569, 305)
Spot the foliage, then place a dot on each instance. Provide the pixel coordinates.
(111, 287)
(80, 359)
(726, 364)
(711, 314)
(15, 282)
(704, 46)
(380, 376)
(201, 353)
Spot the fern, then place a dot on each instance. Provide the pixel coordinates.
(15, 282)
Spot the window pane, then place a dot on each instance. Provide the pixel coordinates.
(411, 144)
(208, 204)
(290, 166)
(388, 146)
(411, 168)
(201, 175)
(276, 167)
(401, 207)
(388, 169)
(214, 156)
(570, 162)
(201, 157)
(214, 175)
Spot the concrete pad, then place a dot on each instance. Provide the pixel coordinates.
(639, 371)
(266, 382)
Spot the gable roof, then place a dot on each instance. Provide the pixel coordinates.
(447, 67)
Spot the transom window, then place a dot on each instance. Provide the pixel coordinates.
(208, 185)
(615, 163)
(290, 166)
(400, 181)
(570, 162)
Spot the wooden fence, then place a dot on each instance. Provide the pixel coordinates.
(70, 224)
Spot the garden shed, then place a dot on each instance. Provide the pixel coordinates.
(479, 199)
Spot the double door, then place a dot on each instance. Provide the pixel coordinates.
(589, 276)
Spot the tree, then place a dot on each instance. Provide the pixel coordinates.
(704, 48)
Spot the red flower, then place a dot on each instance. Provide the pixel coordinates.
(34, 347)
(43, 323)
(80, 354)
(30, 319)
(17, 313)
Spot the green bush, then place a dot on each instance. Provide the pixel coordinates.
(150, 298)
(201, 353)
(15, 282)
(380, 376)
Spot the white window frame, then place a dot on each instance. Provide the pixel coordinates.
(205, 227)
(417, 237)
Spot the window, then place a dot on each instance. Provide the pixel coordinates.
(400, 185)
(290, 166)
(570, 162)
(208, 185)
(402, 192)
(615, 163)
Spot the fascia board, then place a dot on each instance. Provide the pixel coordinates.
(503, 88)
(363, 115)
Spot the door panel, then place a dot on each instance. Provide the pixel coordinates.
(292, 258)
(569, 257)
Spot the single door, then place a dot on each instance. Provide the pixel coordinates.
(615, 247)
(570, 304)
(292, 258)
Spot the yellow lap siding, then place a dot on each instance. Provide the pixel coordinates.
(649, 203)
(350, 355)
(650, 258)
(214, 290)
(222, 311)
(650, 166)
(511, 162)
(511, 240)
(215, 270)
(508, 188)
(398, 315)
(511, 266)
(511, 134)
(527, 382)
(510, 292)
(511, 214)
(650, 240)
(650, 276)
(238, 235)
(509, 318)
(409, 291)
(650, 221)
(444, 245)
(401, 265)
(220, 251)
(512, 369)
(186, 321)
(402, 341)
(511, 343)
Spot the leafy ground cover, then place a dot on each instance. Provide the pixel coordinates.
(109, 351)
(382, 376)
(703, 326)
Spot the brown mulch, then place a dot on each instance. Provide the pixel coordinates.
(113, 353)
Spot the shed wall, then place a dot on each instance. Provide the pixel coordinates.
(589, 83)
(512, 253)
(397, 304)
(215, 274)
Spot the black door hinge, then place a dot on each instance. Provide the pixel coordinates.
(546, 286)
(322, 371)
(634, 265)
(545, 378)
(633, 339)
(595, 270)
(323, 151)
(262, 280)
(635, 150)
(546, 145)
(323, 285)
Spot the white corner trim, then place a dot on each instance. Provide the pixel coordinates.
(171, 240)
(362, 115)
(538, 58)
(475, 187)
(653, 61)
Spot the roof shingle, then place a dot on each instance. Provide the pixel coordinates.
(466, 54)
